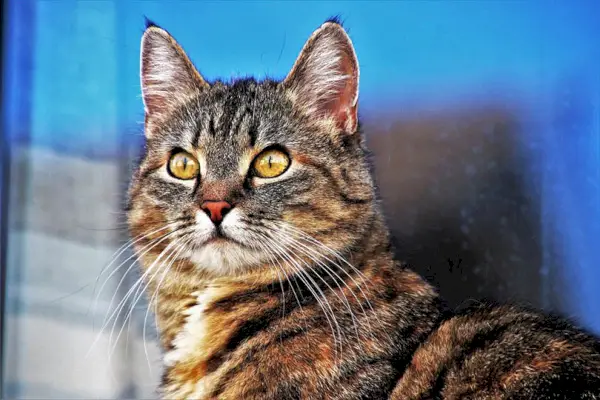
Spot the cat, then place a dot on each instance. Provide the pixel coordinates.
(269, 263)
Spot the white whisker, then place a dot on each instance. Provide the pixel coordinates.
(107, 320)
(136, 299)
(115, 257)
(339, 256)
(136, 256)
(322, 301)
(156, 293)
(299, 246)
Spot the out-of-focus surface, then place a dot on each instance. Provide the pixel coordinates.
(483, 119)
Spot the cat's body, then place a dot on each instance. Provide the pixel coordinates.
(270, 265)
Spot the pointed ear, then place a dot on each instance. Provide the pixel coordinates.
(168, 77)
(324, 79)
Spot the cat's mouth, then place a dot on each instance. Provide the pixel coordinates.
(225, 247)
(219, 237)
(223, 254)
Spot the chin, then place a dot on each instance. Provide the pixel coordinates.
(225, 257)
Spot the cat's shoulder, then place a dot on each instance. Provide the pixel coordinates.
(504, 351)
(515, 318)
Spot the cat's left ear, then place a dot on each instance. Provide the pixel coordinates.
(324, 79)
(168, 77)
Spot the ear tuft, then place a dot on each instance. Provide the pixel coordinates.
(335, 19)
(149, 23)
(324, 78)
(168, 77)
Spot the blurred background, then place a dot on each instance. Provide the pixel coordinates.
(483, 118)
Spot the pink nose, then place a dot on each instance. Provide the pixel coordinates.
(216, 210)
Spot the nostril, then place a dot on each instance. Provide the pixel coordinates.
(216, 210)
(225, 210)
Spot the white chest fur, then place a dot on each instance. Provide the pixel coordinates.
(189, 340)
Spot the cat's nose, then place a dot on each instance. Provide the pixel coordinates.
(216, 210)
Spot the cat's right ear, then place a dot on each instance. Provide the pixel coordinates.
(167, 75)
(324, 79)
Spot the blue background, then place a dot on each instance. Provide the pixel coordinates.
(413, 55)
(71, 86)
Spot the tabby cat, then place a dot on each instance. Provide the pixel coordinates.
(269, 263)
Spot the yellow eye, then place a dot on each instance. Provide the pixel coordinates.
(183, 165)
(271, 163)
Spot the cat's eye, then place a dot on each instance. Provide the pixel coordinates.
(271, 163)
(183, 165)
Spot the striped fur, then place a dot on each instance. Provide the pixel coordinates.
(296, 295)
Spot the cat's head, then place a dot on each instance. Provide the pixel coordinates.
(242, 174)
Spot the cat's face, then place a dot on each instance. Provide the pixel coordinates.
(240, 175)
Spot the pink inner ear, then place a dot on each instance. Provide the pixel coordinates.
(343, 111)
(343, 106)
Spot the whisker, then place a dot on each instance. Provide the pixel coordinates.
(130, 243)
(272, 263)
(323, 303)
(363, 278)
(266, 248)
(122, 304)
(321, 245)
(324, 300)
(135, 300)
(156, 293)
(107, 320)
(146, 249)
(140, 289)
(115, 257)
(335, 278)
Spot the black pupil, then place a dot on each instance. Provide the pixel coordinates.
(270, 161)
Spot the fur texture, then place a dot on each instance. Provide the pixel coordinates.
(296, 294)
